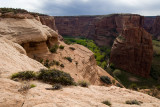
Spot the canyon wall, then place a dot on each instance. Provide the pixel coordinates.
(156, 28)
(152, 25)
(102, 29)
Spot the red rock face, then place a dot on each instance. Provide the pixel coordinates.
(152, 25)
(102, 29)
(49, 21)
(156, 28)
(148, 23)
(132, 51)
(76, 25)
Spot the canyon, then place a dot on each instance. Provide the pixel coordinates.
(25, 40)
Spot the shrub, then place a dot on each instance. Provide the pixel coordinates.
(57, 86)
(133, 86)
(76, 63)
(117, 73)
(72, 48)
(113, 81)
(57, 63)
(54, 48)
(68, 58)
(83, 83)
(46, 63)
(32, 85)
(119, 85)
(41, 61)
(131, 102)
(61, 47)
(106, 79)
(55, 76)
(54, 63)
(62, 65)
(25, 75)
(112, 66)
(107, 103)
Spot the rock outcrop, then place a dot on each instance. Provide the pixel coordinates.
(13, 58)
(36, 40)
(48, 21)
(29, 33)
(132, 51)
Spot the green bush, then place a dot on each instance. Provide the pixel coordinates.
(133, 86)
(68, 58)
(61, 47)
(25, 75)
(47, 64)
(57, 63)
(107, 103)
(131, 102)
(112, 66)
(117, 73)
(106, 79)
(55, 76)
(72, 48)
(54, 48)
(32, 85)
(62, 65)
(83, 83)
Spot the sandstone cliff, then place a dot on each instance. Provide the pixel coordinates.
(102, 29)
(156, 28)
(148, 23)
(132, 51)
(49, 21)
(151, 25)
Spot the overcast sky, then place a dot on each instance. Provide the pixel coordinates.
(86, 7)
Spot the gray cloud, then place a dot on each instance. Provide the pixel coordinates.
(86, 7)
